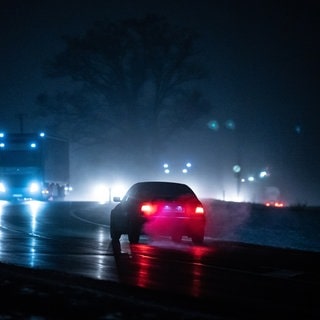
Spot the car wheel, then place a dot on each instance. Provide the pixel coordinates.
(134, 237)
(134, 231)
(198, 239)
(115, 234)
(176, 237)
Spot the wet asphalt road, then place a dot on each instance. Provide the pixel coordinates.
(74, 237)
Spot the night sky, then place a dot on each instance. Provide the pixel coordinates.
(263, 57)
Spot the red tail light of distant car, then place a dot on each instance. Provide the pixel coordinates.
(277, 204)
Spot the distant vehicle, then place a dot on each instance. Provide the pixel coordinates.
(278, 204)
(33, 166)
(158, 208)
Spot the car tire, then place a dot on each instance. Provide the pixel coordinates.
(198, 239)
(176, 237)
(114, 233)
(134, 237)
(134, 231)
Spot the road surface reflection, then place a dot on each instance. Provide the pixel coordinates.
(175, 264)
(74, 238)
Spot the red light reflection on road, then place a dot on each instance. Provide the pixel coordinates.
(176, 267)
(198, 253)
(142, 255)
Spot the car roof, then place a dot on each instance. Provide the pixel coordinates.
(151, 184)
(155, 182)
(162, 187)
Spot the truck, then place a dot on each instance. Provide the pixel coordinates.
(33, 167)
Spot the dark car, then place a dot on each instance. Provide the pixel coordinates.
(158, 208)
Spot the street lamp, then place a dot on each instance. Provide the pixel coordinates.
(166, 168)
(237, 171)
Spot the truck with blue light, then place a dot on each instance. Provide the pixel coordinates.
(33, 167)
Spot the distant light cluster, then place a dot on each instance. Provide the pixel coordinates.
(215, 126)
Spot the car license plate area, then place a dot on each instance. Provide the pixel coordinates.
(173, 210)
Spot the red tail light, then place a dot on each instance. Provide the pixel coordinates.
(147, 209)
(278, 204)
(199, 210)
(274, 204)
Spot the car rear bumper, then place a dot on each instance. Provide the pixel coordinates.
(169, 226)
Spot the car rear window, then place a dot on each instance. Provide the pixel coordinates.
(163, 190)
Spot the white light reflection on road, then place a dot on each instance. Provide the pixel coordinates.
(100, 258)
(35, 207)
(2, 204)
(33, 251)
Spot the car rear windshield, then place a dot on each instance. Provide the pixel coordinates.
(162, 190)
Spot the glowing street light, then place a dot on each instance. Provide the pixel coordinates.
(184, 170)
(237, 171)
(166, 168)
(263, 174)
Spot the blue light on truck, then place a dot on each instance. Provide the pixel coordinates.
(33, 166)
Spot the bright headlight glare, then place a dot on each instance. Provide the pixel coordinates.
(34, 187)
(2, 187)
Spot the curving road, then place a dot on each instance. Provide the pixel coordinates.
(247, 279)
